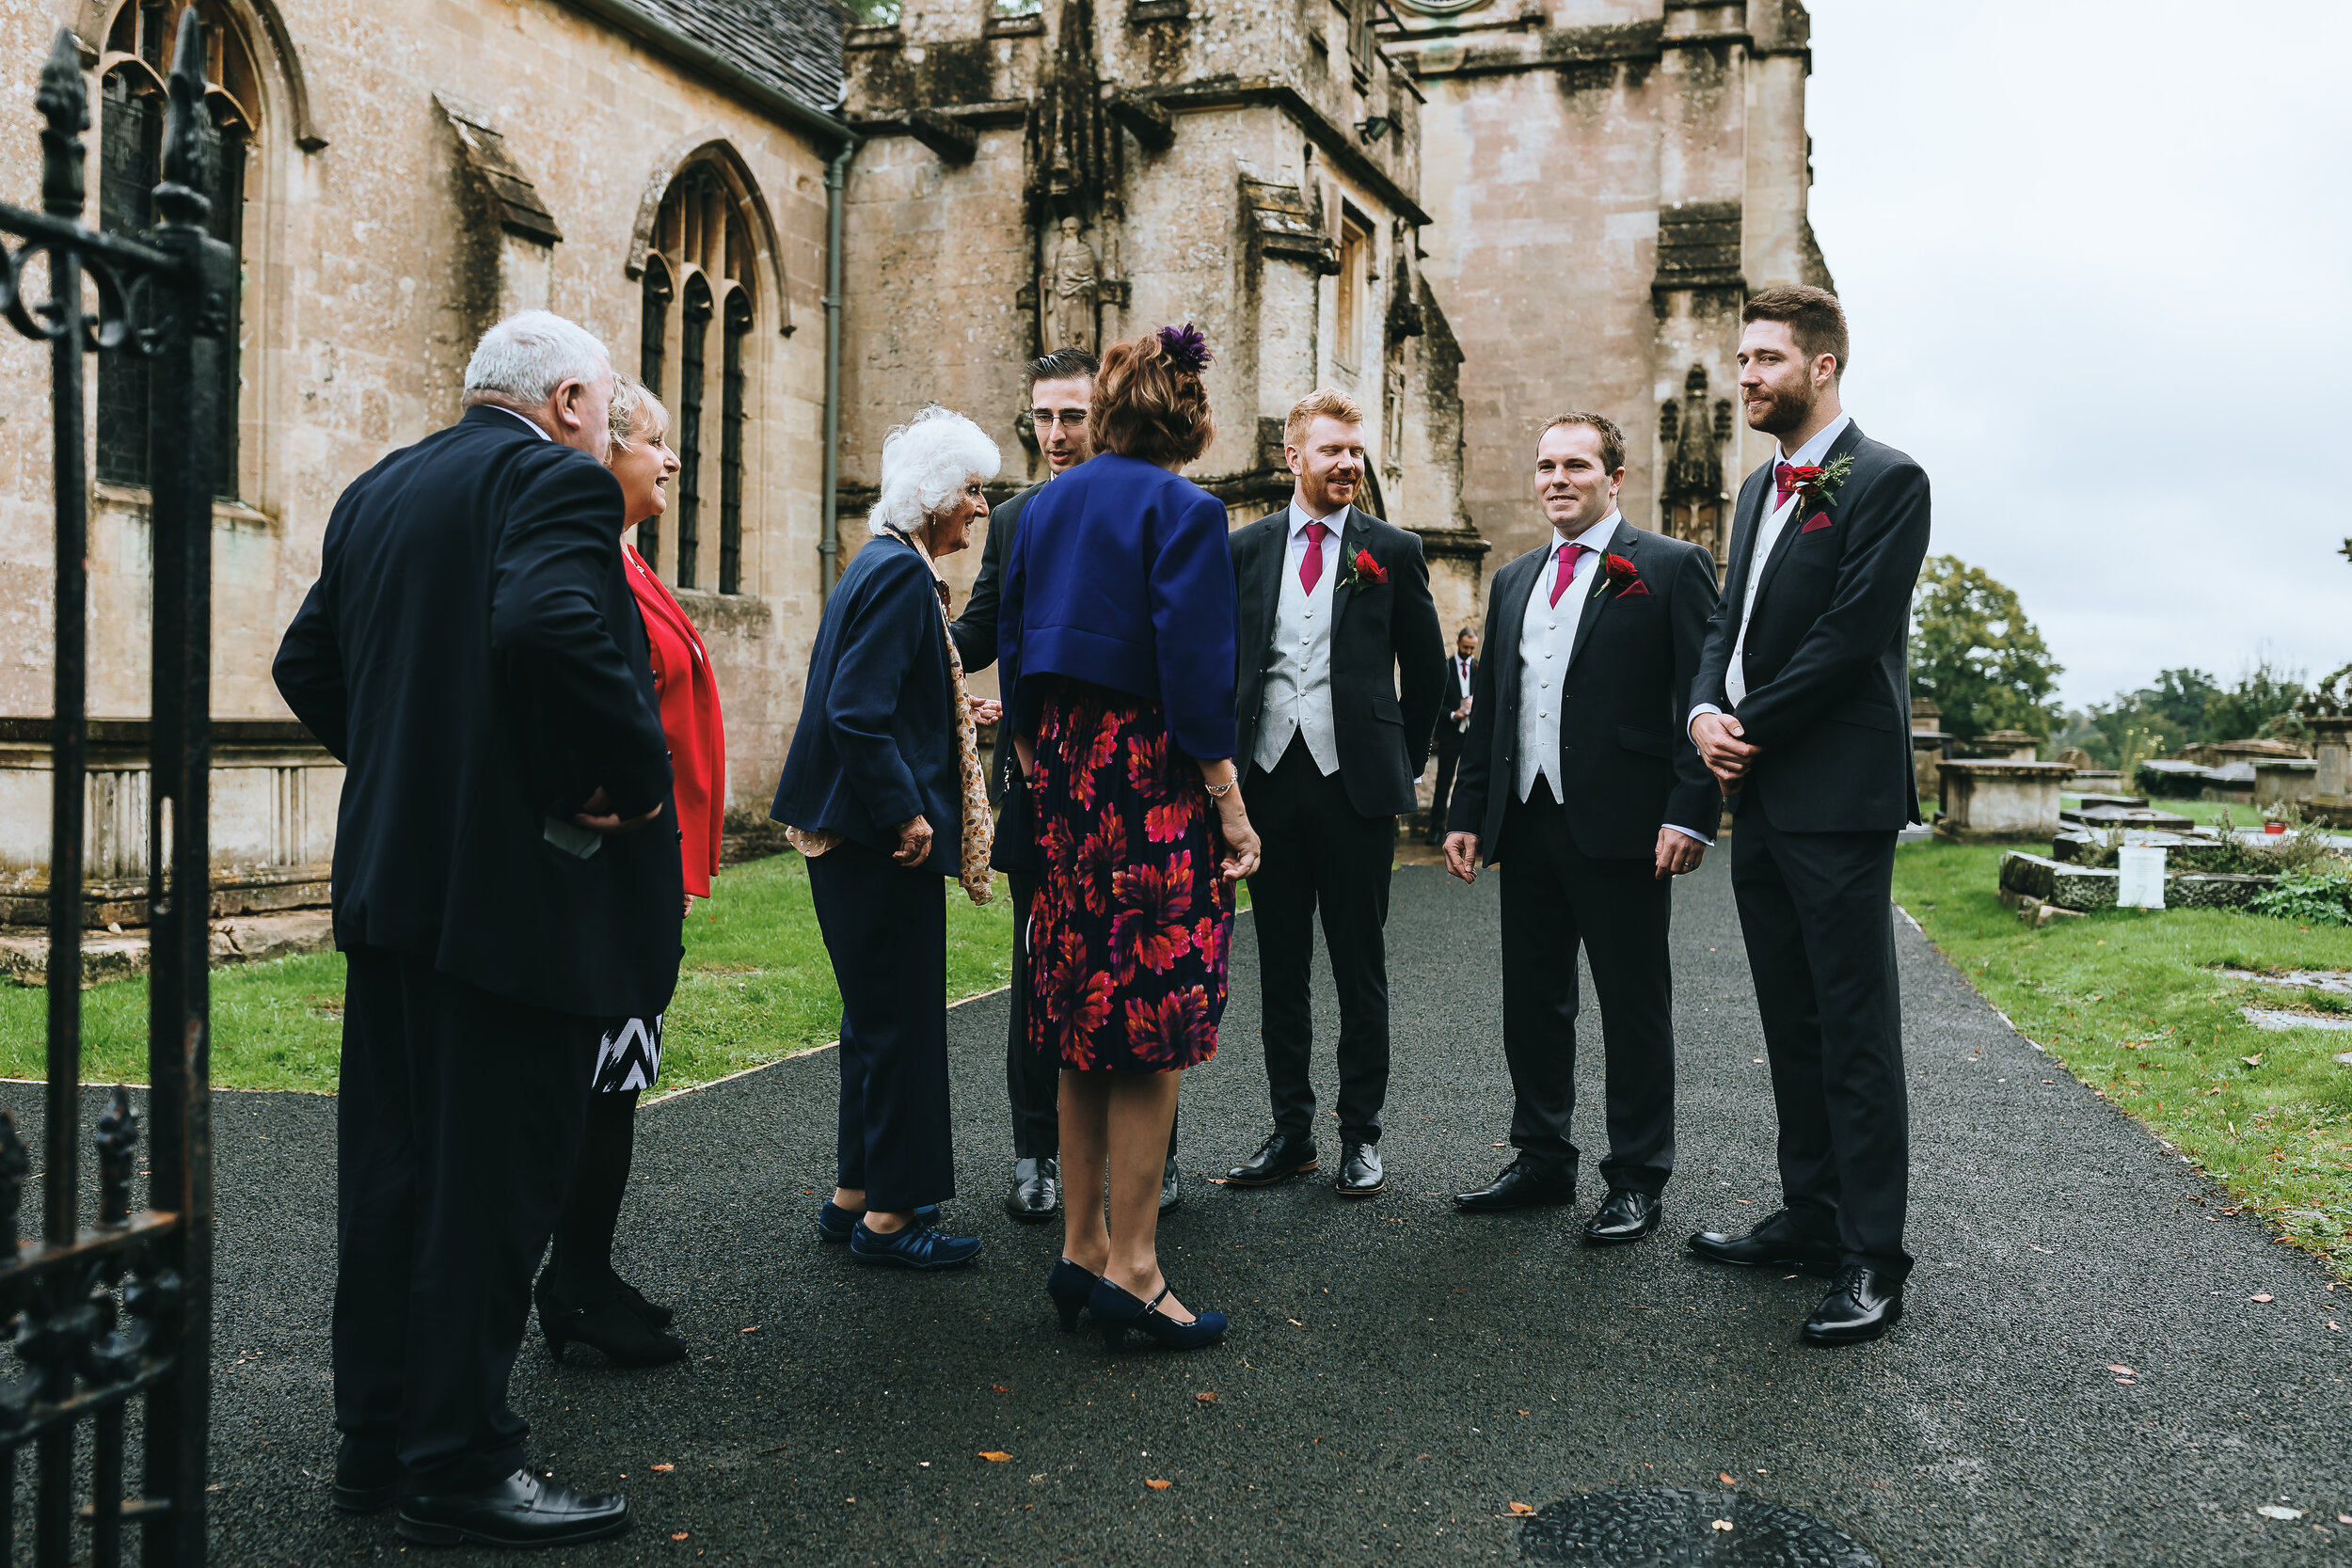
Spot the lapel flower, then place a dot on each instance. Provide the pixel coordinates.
(1820, 484)
(1618, 574)
(1363, 571)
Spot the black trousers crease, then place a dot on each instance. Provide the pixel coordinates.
(1320, 857)
(1816, 911)
(1554, 899)
(457, 1123)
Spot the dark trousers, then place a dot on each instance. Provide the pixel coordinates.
(1555, 896)
(1033, 1078)
(1821, 938)
(1449, 759)
(1318, 854)
(457, 1126)
(885, 926)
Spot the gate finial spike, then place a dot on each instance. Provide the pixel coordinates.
(63, 100)
(118, 1142)
(16, 1163)
(187, 123)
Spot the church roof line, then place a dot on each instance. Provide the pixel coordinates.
(784, 56)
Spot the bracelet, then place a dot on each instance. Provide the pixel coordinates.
(1218, 792)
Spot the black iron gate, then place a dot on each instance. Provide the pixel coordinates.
(117, 1312)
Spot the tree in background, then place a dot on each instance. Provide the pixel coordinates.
(1974, 653)
(2186, 707)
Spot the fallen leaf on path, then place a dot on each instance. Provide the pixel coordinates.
(663, 1469)
(994, 1456)
(1294, 1323)
(1206, 1397)
(1521, 1507)
(1158, 1485)
(2343, 1518)
(677, 1535)
(1000, 1387)
(2272, 1510)
(2121, 1369)
(1498, 1146)
(1216, 1181)
(1726, 1478)
(1722, 1524)
(753, 1330)
(2334, 1327)
(2127, 1382)
(2258, 1298)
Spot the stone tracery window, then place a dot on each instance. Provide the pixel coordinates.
(704, 256)
(137, 57)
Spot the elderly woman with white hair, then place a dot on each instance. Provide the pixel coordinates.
(883, 792)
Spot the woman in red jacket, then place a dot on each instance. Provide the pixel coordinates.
(580, 1297)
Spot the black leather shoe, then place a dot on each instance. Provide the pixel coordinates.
(520, 1510)
(1866, 1303)
(1279, 1158)
(365, 1489)
(654, 1314)
(1036, 1192)
(1522, 1185)
(1775, 1242)
(613, 1326)
(1361, 1175)
(1624, 1215)
(1171, 1188)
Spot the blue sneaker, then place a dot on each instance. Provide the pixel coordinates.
(833, 1223)
(918, 1246)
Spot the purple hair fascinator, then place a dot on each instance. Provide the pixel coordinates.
(1184, 347)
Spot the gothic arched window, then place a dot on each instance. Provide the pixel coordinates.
(705, 255)
(131, 138)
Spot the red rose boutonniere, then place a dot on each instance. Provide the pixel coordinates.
(1820, 484)
(1619, 578)
(1363, 571)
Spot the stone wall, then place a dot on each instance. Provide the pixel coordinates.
(371, 264)
(1609, 179)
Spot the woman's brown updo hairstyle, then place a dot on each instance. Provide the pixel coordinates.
(1148, 402)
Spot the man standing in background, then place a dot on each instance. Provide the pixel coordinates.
(1454, 716)
(1061, 388)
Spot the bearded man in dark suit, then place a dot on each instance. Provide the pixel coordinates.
(1802, 710)
(1577, 771)
(473, 654)
(1341, 665)
(1061, 388)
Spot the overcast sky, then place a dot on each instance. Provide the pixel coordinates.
(2097, 259)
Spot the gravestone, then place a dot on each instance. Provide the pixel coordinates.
(1991, 802)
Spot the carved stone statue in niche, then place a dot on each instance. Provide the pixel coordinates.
(1069, 294)
(1692, 496)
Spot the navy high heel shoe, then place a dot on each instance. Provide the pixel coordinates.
(1116, 1313)
(1070, 1286)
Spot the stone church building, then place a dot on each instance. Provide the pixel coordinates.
(801, 226)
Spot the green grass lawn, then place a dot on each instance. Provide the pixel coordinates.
(2134, 1004)
(756, 985)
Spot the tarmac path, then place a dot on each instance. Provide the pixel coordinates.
(1397, 1374)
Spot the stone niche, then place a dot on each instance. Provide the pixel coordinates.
(275, 792)
(1989, 801)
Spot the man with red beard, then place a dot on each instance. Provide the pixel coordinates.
(1342, 666)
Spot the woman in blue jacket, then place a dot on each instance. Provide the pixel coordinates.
(1116, 644)
(883, 792)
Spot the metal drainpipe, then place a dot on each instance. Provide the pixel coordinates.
(829, 546)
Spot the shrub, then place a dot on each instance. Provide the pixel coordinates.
(2319, 895)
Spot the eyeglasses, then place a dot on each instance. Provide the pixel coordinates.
(1045, 419)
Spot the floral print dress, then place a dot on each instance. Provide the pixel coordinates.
(1131, 922)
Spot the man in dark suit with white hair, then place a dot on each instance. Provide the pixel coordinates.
(473, 655)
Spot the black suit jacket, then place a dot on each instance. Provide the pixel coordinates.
(1828, 694)
(975, 634)
(473, 654)
(1448, 739)
(1388, 658)
(1627, 764)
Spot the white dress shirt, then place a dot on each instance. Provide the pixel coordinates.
(1546, 638)
(530, 424)
(1462, 674)
(1298, 698)
(1734, 677)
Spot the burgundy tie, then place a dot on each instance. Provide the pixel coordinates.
(1310, 565)
(1569, 555)
(1784, 481)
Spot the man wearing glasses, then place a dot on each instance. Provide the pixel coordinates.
(1061, 386)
